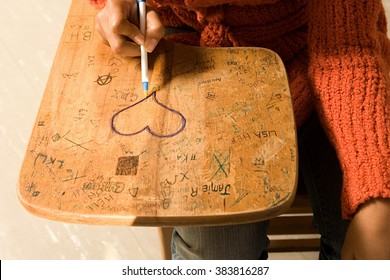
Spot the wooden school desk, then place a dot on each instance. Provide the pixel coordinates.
(212, 143)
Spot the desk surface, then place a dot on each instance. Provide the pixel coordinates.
(212, 143)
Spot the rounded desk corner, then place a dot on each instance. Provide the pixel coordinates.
(284, 206)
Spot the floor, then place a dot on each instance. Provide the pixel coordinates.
(30, 33)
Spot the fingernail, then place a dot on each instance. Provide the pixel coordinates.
(150, 45)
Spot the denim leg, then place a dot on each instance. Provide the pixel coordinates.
(234, 242)
(321, 173)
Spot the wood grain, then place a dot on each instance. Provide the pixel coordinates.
(214, 141)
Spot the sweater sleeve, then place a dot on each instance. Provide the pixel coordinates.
(349, 73)
(98, 4)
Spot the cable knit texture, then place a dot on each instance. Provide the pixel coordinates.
(337, 57)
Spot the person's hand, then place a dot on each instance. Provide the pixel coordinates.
(368, 235)
(117, 24)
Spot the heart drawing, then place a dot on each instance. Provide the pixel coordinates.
(149, 115)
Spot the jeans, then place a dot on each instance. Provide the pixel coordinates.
(319, 173)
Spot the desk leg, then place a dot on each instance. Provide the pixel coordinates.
(165, 234)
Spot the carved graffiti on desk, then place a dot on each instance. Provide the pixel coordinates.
(78, 145)
(115, 64)
(103, 186)
(70, 76)
(49, 160)
(221, 164)
(242, 194)
(104, 80)
(31, 190)
(57, 137)
(82, 113)
(165, 196)
(205, 64)
(101, 192)
(127, 165)
(91, 60)
(125, 95)
(133, 192)
(185, 157)
(79, 29)
(73, 177)
(215, 187)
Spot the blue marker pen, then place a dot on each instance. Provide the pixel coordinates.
(144, 54)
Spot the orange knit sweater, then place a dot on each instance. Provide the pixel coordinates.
(337, 56)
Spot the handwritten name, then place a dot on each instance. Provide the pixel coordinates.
(106, 186)
(221, 188)
(210, 81)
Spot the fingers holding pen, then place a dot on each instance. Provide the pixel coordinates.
(154, 30)
(117, 25)
(114, 25)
